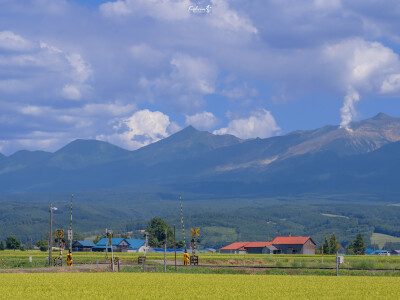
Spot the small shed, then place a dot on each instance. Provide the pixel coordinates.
(83, 246)
(135, 245)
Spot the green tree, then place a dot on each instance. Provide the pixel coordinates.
(180, 244)
(1, 246)
(28, 246)
(359, 245)
(43, 244)
(333, 244)
(13, 242)
(350, 248)
(156, 230)
(327, 246)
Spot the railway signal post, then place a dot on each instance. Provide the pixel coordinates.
(194, 259)
(61, 244)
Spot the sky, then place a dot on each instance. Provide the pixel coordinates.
(131, 72)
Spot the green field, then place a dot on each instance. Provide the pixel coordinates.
(20, 259)
(381, 239)
(194, 286)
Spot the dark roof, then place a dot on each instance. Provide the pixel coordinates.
(85, 243)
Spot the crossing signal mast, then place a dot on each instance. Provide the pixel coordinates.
(186, 258)
(189, 259)
(183, 225)
(69, 255)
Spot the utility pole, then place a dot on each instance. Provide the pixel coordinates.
(175, 247)
(69, 256)
(145, 249)
(165, 251)
(322, 253)
(50, 235)
(106, 245)
(112, 251)
(337, 264)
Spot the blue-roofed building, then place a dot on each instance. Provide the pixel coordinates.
(135, 245)
(369, 251)
(382, 252)
(118, 245)
(83, 246)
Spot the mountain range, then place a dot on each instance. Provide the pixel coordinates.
(362, 158)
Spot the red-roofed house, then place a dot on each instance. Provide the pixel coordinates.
(295, 244)
(280, 244)
(250, 247)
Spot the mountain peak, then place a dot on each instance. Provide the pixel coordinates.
(189, 128)
(89, 146)
(382, 116)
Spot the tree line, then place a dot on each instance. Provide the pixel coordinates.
(332, 246)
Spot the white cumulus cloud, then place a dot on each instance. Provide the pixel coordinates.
(142, 128)
(204, 120)
(362, 67)
(260, 124)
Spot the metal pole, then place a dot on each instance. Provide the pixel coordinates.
(337, 264)
(70, 228)
(145, 250)
(106, 245)
(183, 225)
(50, 235)
(112, 256)
(165, 251)
(175, 247)
(322, 253)
(70, 232)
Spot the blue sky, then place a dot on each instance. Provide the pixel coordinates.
(132, 72)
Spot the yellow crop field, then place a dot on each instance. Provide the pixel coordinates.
(193, 286)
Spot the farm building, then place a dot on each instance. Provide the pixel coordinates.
(382, 252)
(135, 245)
(294, 244)
(236, 248)
(250, 247)
(281, 244)
(369, 251)
(118, 245)
(83, 246)
(395, 252)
